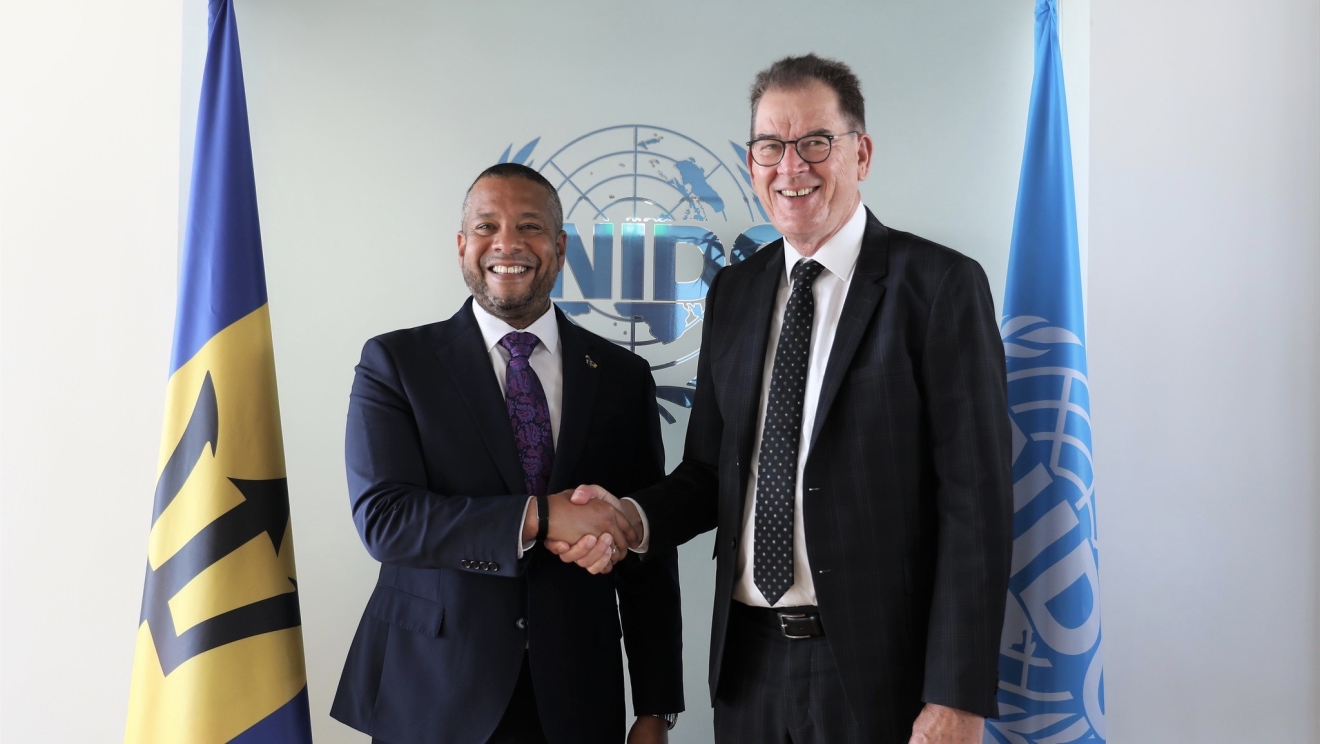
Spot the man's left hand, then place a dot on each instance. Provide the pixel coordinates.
(649, 730)
(939, 724)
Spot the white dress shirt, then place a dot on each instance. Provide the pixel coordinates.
(546, 361)
(839, 257)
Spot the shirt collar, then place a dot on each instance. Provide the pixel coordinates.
(546, 328)
(840, 252)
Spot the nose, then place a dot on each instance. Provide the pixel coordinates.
(508, 239)
(792, 162)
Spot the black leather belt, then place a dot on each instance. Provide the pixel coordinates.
(794, 623)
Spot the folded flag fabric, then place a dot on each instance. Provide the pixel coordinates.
(219, 647)
(1051, 688)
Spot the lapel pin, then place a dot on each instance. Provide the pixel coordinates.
(591, 362)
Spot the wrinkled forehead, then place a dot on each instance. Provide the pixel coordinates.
(791, 112)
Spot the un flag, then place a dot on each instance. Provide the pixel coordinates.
(1051, 669)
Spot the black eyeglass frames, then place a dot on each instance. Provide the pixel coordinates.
(813, 148)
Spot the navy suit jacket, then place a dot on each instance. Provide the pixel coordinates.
(907, 494)
(438, 496)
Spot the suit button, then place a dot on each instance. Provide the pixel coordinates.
(467, 563)
(494, 566)
(484, 566)
(521, 623)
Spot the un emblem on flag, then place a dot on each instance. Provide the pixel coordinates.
(1050, 650)
(651, 215)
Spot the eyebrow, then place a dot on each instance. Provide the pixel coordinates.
(812, 133)
(524, 215)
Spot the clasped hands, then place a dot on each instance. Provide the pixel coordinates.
(589, 527)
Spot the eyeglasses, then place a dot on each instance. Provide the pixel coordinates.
(814, 148)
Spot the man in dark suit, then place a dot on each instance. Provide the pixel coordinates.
(849, 441)
(457, 431)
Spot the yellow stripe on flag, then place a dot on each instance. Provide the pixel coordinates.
(221, 692)
(216, 696)
(241, 362)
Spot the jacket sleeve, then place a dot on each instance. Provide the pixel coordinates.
(650, 609)
(400, 521)
(966, 389)
(686, 503)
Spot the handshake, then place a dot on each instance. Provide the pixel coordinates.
(589, 527)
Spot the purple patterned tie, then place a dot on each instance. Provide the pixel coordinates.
(528, 412)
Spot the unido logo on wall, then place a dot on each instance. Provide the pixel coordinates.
(651, 215)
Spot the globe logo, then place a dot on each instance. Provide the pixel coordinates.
(1051, 635)
(651, 215)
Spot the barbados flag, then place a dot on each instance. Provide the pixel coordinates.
(219, 648)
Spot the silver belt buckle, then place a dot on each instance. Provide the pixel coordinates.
(783, 624)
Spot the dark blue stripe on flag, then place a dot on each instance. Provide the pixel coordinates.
(291, 724)
(222, 277)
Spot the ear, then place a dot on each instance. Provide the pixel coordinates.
(462, 247)
(561, 247)
(865, 148)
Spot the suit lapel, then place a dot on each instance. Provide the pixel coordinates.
(580, 379)
(858, 308)
(467, 361)
(750, 359)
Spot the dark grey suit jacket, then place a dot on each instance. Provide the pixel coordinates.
(907, 500)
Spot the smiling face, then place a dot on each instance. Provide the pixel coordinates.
(808, 202)
(509, 250)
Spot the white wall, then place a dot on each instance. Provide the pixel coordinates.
(88, 203)
(1205, 230)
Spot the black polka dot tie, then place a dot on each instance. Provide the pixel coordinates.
(776, 477)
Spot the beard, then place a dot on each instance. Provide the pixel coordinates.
(526, 306)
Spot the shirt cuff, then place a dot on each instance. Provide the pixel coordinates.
(525, 546)
(646, 527)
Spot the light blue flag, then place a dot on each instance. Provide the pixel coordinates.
(1051, 668)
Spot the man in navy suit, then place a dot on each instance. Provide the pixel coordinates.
(850, 443)
(461, 438)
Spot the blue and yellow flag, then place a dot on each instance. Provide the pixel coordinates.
(219, 649)
(1051, 669)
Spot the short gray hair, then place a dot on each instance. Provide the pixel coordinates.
(798, 72)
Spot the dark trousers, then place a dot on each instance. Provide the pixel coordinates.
(774, 690)
(521, 723)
